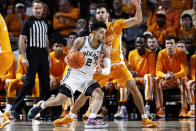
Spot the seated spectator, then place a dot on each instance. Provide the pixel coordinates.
(187, 32)
(71, 38)
(182, 45)
(117, 12)
(15, 85)
(171, 72)
(142, 64)
(191, 12)
(64, 21)
(80, 26)
(92, 9)
(172, 16)
(153, 44)
(160, 29)
(181, 5)
(15, 20)
(191, 88)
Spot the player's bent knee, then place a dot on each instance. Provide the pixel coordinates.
(98, 93)
(131, 86)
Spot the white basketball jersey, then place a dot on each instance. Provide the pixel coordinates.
(91, 56)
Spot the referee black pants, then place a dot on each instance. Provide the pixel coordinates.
(38, 63)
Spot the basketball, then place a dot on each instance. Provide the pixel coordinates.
(76, 59)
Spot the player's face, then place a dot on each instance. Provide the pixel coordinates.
(58, 48)
(101, 14)
(100, 34)
(181, 46)
(152, 43)
(140, 44)
(37, 10)
(170, 46)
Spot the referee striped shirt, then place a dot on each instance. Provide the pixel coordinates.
(36, 31)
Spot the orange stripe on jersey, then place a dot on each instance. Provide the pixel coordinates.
(113, 38)
(4, 37)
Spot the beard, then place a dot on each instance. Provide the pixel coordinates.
(161, 23)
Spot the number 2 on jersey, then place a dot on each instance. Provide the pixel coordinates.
(88, 62)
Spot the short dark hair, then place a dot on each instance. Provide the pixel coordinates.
(141, 36)
(151, 37)
(188, 16)
(37, 1)
(59, 39)
(170, 37)
(73, 33)
(98, 24)
(102, 5)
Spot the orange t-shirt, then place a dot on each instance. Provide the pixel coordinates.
(57, 66)
(113, 38)
(161, 33)
(176, 64)
(13, 23)
(145, 64)
(4, 37)
(192, 67)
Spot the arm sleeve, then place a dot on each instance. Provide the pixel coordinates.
(159, 66)
(183, 66)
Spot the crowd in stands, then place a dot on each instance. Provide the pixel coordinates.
(159, 52)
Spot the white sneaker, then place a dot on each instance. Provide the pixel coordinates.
(121, 113)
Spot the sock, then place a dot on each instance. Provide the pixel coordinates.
(147, 108)
(92, 115)
(8, 107)
(192, 107)
(144, 116)
(70, 115)
(42, 105)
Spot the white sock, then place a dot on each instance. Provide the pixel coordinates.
(42, 105)
(92, 115)
(8, 107)
(192, 107)
(144, 116)
(70, 115)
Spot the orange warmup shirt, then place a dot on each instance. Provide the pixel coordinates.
(66, 22)
(176, 64)
(142, 64)
(13, 23)
(192, 67)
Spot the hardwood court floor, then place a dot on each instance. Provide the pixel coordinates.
(180, 125)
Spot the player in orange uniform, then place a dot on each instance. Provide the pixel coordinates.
(15, 85)
(6, 59)
(119, 70)
(191, 88)
(142, 64)
(171, 72)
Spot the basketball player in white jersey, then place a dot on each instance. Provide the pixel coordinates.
(81, 79)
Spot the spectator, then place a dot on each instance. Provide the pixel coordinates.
(182, 45)
(191, 12)
(71, 38)
(153, 44)
(181, 5)
(34, 31)
(160, 29)
(187, 32)
(92, 9)
(142, 64)
(64, 21)
(172, 16)
(80, 26)
(191, 88)
(117, 12)
(15, 20)
(171, 72)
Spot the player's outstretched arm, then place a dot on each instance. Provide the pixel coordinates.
(137, 19)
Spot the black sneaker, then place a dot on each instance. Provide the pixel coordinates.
(34, 110)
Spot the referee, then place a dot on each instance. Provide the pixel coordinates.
(34, 38)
